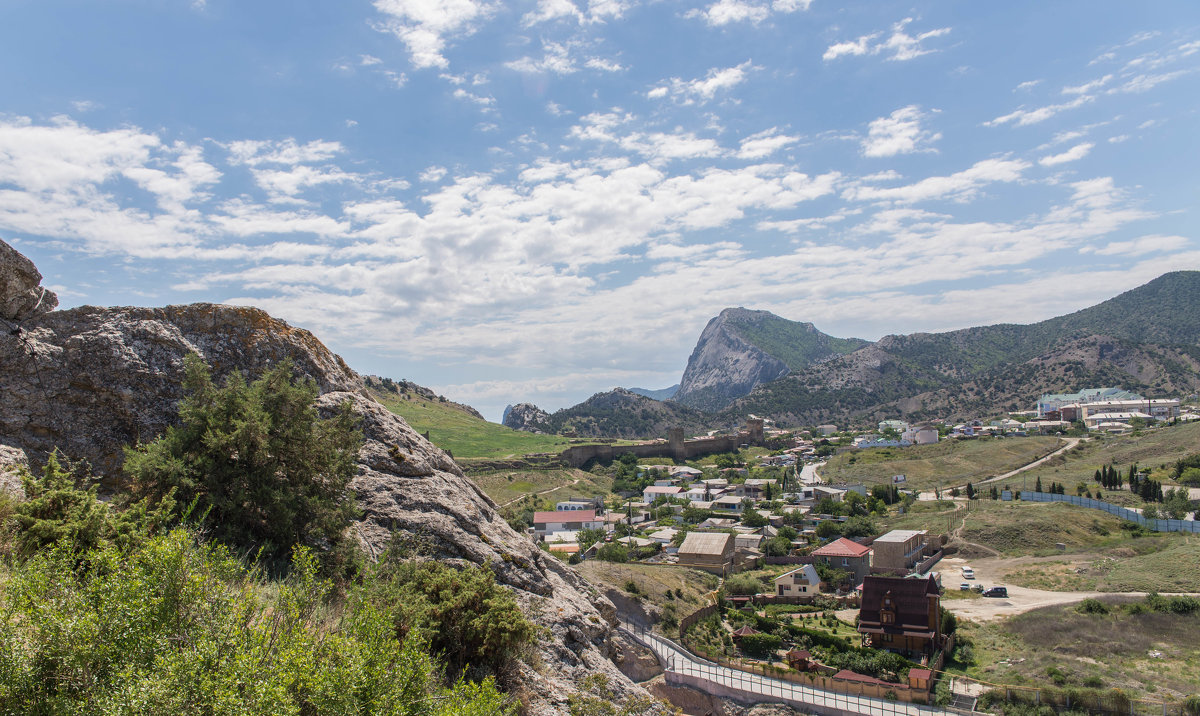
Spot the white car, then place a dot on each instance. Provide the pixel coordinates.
(968, 573)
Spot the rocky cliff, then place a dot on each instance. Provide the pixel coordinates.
(527, 417)
(741, 349)
(90, 380)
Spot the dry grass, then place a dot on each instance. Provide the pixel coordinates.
(1163, 563)
(1113, 648)
(949, 462)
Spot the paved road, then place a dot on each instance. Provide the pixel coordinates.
(769, 690)
(808, 474)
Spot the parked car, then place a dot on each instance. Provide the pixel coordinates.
(978, 587)
(968, 573)
(996, 592)
(964, 587)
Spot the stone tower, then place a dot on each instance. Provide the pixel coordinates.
(675, 444)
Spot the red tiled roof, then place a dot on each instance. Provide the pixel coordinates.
(847, 675)
(745, 631)
(919, 673)
(564, 516)
(842, 547)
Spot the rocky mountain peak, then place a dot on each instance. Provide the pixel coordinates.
(21, 294)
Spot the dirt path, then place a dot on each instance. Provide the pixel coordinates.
(543, 492)
(1070, 443)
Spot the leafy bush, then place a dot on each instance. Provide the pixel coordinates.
(462, 614)
(177, 626)
(58, 508)
(256, 459)
(613, 552)
(1092, 606)
(760, 645)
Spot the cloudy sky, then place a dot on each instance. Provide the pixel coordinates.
(542, 199)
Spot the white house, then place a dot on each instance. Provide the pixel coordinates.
(652, 493)
(546, 523)
(799, 582)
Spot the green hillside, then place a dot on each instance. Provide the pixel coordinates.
(462, 434)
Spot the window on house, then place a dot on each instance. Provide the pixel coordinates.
(845, 561)
(887, 618)
(887, 638)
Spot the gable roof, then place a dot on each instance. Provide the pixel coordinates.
(910, 597)
(809, 573)
(842, 547)
(564, 516)
(710, 543)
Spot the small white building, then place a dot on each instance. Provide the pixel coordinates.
(654, 492)
(799, 582)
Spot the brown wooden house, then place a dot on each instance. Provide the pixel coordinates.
(900, 614)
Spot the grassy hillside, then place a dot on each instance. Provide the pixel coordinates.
(1157, 449)
(465, 435)
(1156, 562)
(949, 462)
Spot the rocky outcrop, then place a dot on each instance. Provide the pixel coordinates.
(724, 365)
(21, 293)
(12, 462)
(91, 380)
(528, 418)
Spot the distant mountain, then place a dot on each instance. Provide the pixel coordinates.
(618, 413)
(1146, 339)
(660, 394)
(741, 349)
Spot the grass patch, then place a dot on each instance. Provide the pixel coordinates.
(677, 591)
(1163, 563)
(504, 487)
(463, 434)
(1027, 528)
(1157, 449)
(944, 464)
(1059, 645)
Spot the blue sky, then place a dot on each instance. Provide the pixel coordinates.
(535, 201)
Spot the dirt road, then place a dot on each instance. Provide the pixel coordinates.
(1069, 443)
(989, 573)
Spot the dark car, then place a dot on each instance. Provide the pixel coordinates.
(996, 592)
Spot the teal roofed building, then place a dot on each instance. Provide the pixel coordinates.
(1055, 401)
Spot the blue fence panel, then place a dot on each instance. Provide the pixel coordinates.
(1122, 512)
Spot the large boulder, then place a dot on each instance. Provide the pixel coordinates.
(21, 293)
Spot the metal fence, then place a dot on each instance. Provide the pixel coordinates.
(1122, 512)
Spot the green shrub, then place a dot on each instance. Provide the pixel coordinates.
(462, 614)
(177, 626)
(613, 552)
(1092, 606)
(59, 508)
(256, 459)
(760, 645)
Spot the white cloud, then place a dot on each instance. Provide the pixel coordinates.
(764, 144)
(425, 26)
(898, 46)
(725, 12)
(287, 151)
(369, 60)
(1027, 85)
(1088, 87)
(433, 174)
(598, 11)
(899, 133)
(960, 186)
(703, 89)
(599, 63)
(1079, 151)
(1024, 117)
(556, 59)
(1141, 246)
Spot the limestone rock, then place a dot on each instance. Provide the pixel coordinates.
(21, 293)
(12, 462)
(91, 380)
(527, 417)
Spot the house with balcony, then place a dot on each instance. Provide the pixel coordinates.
(901, 614)
(899, 550)
(800, 582)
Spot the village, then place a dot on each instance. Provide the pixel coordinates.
(807, 586)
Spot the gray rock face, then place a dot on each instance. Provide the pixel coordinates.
(21, 293)
(527, 417)
(724, 366)
(90, 380)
